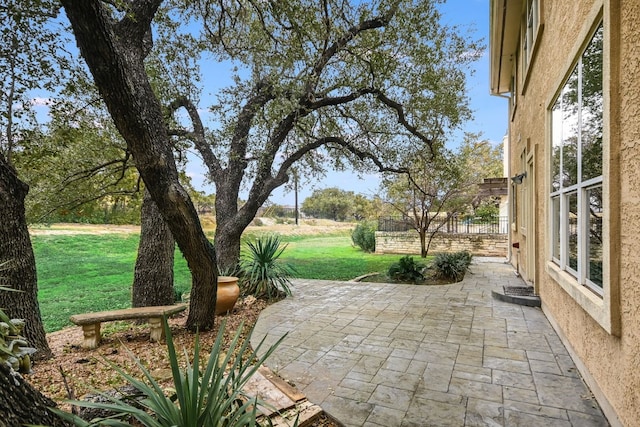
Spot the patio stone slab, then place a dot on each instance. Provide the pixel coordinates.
(399, 355)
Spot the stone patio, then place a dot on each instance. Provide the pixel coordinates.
(399, 355)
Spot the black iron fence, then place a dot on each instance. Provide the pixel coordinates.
(458, 225)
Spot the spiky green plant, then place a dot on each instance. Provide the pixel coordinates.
(213, 398)
(406, 270)
(263, 275)
(452, 266)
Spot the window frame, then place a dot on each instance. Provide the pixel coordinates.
(605, 310)
(532, 27)
(574, 194)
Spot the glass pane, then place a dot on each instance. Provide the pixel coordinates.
(572, 241)
(555, 223)
(592, 107)
(556, 142)
(570, 122)
(594, 242)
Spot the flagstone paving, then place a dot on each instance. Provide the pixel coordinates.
(399, 355)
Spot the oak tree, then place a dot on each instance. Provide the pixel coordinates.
(29, 60)
(114, 41)
(317, 85)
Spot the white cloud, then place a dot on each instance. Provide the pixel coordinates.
(41, 102)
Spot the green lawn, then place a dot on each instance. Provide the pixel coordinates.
(82, 273)
(333, 258)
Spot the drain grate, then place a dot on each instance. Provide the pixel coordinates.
(520, 291)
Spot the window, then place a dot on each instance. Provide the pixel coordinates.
(576, 169)
(531, 24)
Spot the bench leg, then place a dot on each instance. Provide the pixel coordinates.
(157, 329)
(91, 335)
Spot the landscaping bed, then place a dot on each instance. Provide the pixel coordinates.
(384, 278)
(75, 372)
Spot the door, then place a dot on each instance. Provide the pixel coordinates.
(530, 218)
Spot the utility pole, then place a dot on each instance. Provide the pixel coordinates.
(295, 192)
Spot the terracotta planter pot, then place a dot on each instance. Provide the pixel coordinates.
(228, 292)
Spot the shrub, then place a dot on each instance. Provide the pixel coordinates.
(452, 266)
(262, 275)
(406, 270)
(213, 397)
(364, 236)
(487, 212)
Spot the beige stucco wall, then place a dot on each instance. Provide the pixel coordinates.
(394, 242)
(610, 359)
(629, 221)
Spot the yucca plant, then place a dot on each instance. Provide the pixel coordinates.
(263, 275)
(213, 398)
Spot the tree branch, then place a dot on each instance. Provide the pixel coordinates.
(100, 192)
(136, 23)
(197, 135)
(338, 100)
(263, 94)
(87, 173)
(402, 118)
(281, 176)
(328, 53)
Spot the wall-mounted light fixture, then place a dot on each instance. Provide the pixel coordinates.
(518, 178)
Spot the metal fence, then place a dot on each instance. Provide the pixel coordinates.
(457, 225)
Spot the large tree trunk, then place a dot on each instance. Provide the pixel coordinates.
(230, 223)
(17, 262)
(153, 276)
(21, 404)
(227, 242)
(115, 53)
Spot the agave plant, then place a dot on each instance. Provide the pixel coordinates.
(263, 275)
(213, 398)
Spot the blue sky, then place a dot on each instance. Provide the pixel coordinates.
(490, 113)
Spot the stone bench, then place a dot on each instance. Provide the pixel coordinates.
(91, 322)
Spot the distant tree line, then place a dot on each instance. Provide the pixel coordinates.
(341, 205)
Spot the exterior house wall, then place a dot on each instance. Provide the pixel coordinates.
(393, 242)
(602, 334)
